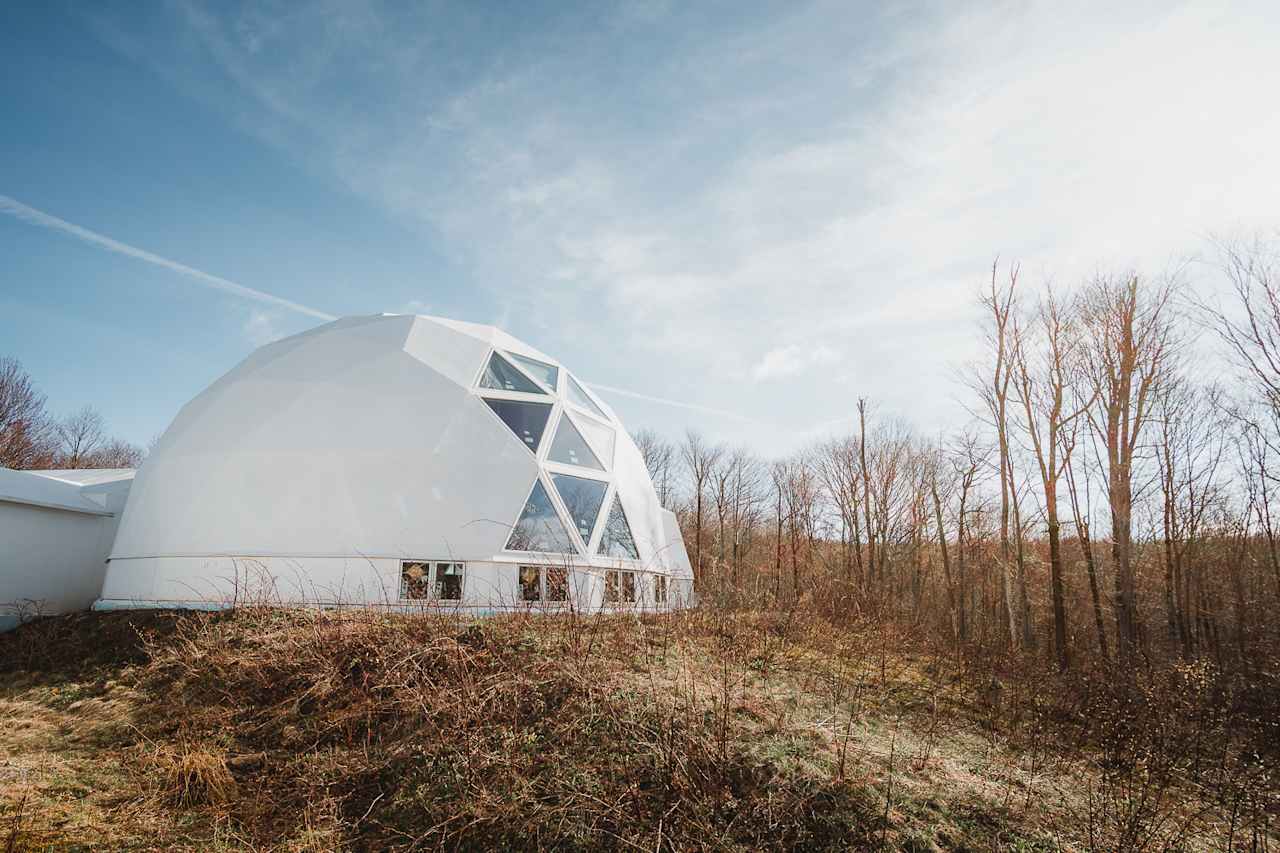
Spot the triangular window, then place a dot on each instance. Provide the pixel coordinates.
(571, 448)
(539, 527)
(539, 370)
(527, 420)
(502, 376)
(583, 498)
(616, 541)
(578, 394)
(598, 436)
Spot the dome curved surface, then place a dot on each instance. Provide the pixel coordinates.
(384, 438)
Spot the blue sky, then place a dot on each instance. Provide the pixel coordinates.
(759, 209)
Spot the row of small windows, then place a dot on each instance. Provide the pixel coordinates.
(427, 581)
(422, 580)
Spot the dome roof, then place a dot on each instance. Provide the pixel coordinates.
(395, 435)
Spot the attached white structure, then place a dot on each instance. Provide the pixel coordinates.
(397, 460)
(56, 529)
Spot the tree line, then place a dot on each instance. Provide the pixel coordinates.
(32, 438)
(1110, 497)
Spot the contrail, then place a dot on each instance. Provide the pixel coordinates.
(664, 401)
(30, 215)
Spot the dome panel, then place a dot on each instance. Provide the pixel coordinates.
(539, 527)
(570, 448)
(500, 375)
(579, 396)
(599, 436)
(545, 373)
(616, 540)
(526, 420)
(582, 498)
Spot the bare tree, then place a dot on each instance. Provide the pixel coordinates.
(866, 488)
(117, 453)
(700, 460)
(968, 458)
(737, 502)
(1045, 381)
(1000, 302)
(934, 466)
(80, 436)
(838, 466)
(25, 429)
(660, 459)
(1081, 512)
(1131, 348)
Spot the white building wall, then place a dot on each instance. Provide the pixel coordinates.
(51, 560)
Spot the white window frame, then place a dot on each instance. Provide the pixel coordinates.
(432, 577)
(637, 593)
(543, 570)
(558, 507)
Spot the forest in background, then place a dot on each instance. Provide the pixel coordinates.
(1110, 501)
(32, 438)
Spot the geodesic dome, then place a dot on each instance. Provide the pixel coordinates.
(327, 462)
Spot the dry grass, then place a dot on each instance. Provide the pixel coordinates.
(303, 730)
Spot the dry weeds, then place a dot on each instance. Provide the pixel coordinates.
(304, 730)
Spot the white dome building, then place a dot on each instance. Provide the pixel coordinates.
(397, 460)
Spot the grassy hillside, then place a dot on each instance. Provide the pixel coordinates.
(282, 730)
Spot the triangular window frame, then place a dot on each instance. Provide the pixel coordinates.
(494, 402)
(568, 422)
(505, 363)
(565, 530)
(635, 549)
(590, 429)
(564, 503)
(529, 366)
(590, 405)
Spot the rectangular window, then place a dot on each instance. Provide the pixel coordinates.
(415, 580)
(629, 587)
(612, 592)
(659, 589)
(530, 583)
(557, 583)
(422, 580)
(449, 581)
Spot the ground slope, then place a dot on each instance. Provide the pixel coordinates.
(268, 729)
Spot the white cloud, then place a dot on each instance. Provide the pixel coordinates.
(826, 172)
(790, 360)
(259, 329)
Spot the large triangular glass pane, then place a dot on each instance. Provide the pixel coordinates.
(616, 541)
(583, 498)
(501, 375)
(539, 527)
(571, 448)
(539, 370)
(578, 394)
(527, 420)
(598, 436)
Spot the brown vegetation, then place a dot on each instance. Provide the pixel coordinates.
(271, 729)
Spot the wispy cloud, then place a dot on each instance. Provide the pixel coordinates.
(828, 171)
(781, 362)
(694, 407)
(39, 218)
(260, 329)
